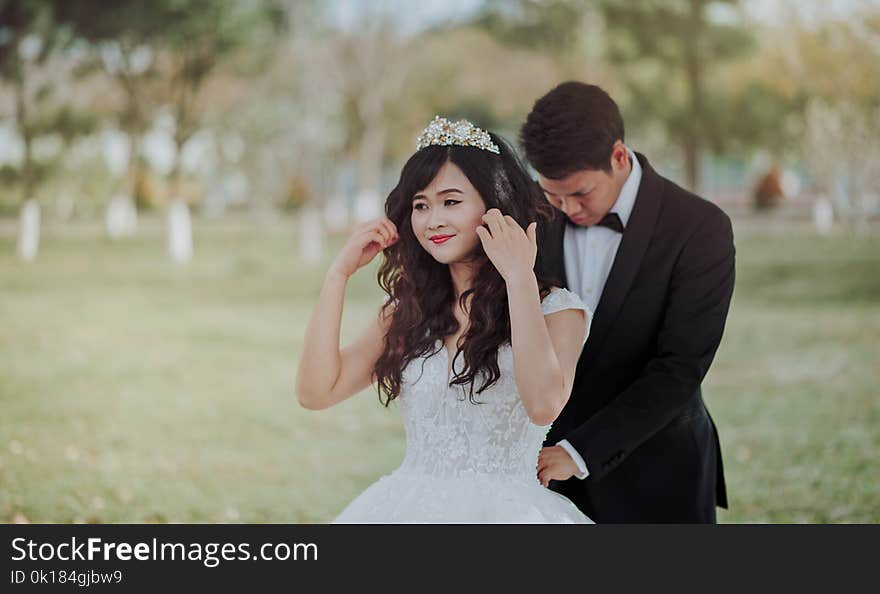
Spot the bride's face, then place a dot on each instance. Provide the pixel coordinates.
(446, 214)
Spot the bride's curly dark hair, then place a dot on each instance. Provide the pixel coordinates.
(420, 289)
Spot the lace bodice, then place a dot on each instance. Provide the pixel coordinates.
(447, 436)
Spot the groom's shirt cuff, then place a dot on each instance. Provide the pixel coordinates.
(579, 462)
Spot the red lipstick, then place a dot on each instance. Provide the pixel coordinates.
(438, 239)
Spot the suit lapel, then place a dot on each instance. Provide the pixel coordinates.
(633, 245)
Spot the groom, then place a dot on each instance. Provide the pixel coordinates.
(655, 265)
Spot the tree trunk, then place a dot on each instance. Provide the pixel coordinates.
(135, 169)
(27, 174)
(29, 219)
(692, 142)
(180, 241)
(121, 214)
(691, 151)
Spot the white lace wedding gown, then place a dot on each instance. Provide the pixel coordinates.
(465, 462)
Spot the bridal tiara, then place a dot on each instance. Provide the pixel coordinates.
(442, 132)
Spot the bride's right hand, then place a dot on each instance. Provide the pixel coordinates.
(367, 240)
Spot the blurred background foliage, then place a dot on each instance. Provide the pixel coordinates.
(244, 137)
(335, 92)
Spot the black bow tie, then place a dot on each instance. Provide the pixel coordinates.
(611, 220)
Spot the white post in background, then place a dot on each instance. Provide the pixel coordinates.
(121, 220)
(180, 244)
(29, 230)
(161, 152)
(823, 215)
(121, 216)
(311, 236)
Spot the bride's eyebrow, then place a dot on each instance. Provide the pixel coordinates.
(443, 192)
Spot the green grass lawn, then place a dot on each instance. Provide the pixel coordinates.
(135, 391)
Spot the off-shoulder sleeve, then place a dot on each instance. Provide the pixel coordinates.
(560, 299)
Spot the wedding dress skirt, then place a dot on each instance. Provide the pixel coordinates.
(410, 498)
(466, 462)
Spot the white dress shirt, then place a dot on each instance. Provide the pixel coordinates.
(589, 253)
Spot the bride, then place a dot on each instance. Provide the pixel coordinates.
(479, 352)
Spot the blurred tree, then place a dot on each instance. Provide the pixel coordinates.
(662, 53)
(162, 53)
(303, 128)
(372, 58)
(199, 36)
(125, 42)
(840, 145)
(491, 91)
(22, 46)
(29, 40)
(565, 29)
(834, 66)
(673, 68)
(558, 39)
(666, 51)
(340, 103)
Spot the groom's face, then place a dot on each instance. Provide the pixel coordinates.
(585, 196)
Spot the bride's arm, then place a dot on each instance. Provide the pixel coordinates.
(325, 375)
(545, 350)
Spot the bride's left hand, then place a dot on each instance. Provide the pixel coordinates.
(510, 249)
(554, 464)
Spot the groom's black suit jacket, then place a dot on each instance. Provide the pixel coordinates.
(636, 412)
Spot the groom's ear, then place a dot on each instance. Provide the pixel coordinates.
(619, 156)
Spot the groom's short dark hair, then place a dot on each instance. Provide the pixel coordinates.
(571, 128)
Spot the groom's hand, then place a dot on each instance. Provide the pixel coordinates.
(554, 464)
